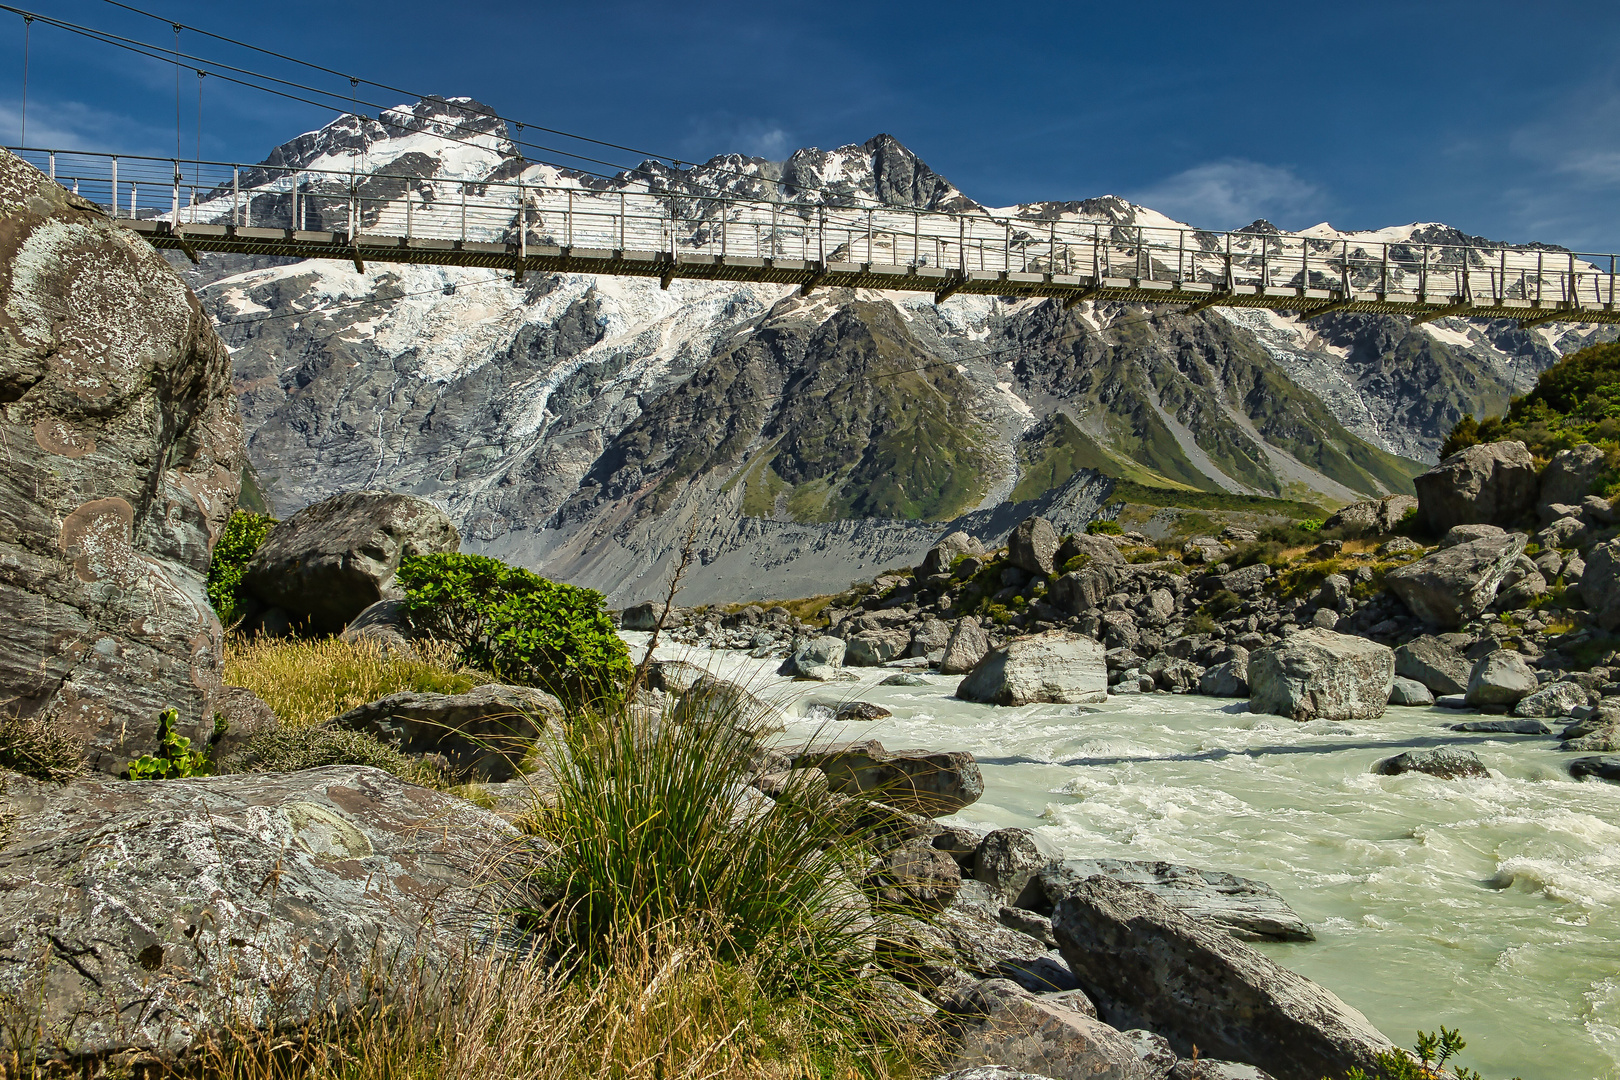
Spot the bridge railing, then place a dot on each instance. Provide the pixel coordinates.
(596, 216)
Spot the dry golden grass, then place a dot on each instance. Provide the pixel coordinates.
(309, 682)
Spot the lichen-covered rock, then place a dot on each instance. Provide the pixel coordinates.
(1456, 583)
(1554, 699)
(1004, 1024)
(932, 782)
(1372, 516)
(1500, 680)
(123, 457)
(483, 734)
(1055, 666)
(1569, 476)
(141, 915)
(335, 558)
(950, 548)
(1322, 675)
(870, 648)
(1600, 583)
(1007, 860)
(1146, 965)
(1488, 483)
(917, 876)
(1032, 546)
(967, 645)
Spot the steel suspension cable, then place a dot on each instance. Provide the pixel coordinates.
(28, 26)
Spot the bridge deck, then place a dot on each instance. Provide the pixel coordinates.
(940, 281)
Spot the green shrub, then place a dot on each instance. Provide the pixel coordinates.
(1222, 603)
(998, 614)
(1104, 527)
(1464, 433)
(1427, 1062)
(1201, 623)
(1310, 525)
(174, 758)
(517, 625)
(39, 749)
(241, 537)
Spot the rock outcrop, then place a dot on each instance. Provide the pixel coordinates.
(1247, 909)
(1456, 583)
(1006, 1025)
(1322, 675)
(141, 915)
(1055, 666)
(1488, 483)
(330, 561)
(1148, 966)
(123, 459)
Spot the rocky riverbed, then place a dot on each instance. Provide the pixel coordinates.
(1485, 904)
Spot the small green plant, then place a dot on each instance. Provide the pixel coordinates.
(312, 747)
(241, 537)
(1201, 623)
(1310, 525)
(1104, 527)
(998, 614)
(517, 625)
(1224, 602)
(1426, 1062)
(175, 758)
(1079, 562)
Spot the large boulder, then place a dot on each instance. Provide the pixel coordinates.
(644, 616)
(483, 734)
(1081, 590)
(815, 653)
(1004, 1024)
(1372, 516)
(1500, 680)
(1147, 965)
(122, 460)
(1488, 483)
(1322, 675)
(869, 648)
(1554, 699)
(142, 916)
(1098, 550)
(965, 648)
(1247, 909)
(932, 782)
(1055, 666)
(1007, 860)
(950, 548)
(1433, 663)
(1457, 583)
(1032, 546)
(1600, 584)
(1569, 476)
(335, 558)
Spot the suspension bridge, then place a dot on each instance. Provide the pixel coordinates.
(623, 228)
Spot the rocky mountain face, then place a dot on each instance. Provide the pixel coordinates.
(588, 426)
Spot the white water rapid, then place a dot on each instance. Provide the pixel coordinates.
(1492, 906)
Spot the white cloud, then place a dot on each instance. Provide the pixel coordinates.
(1233, 192)
(724, 134)
(73, 125)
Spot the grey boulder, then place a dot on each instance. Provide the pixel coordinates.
(1554, 699)
(932, 782)
(1604, 767)
(1445, 762)
(1600, 583)
(1433, 663)
(154, 901)
(869, 648)
(1004, 1024)
(1488, 483)
(1457, 583)
(1499, 681)
(1504, 727)
(817, 652)
(950, 548)
(1146, 965)
(335, 558)
(483, 734)
(1409, 692)
(1008, 861)
(645, 616)
(122, 458)
(1320, 674)
(1032, 546)
(1055, 666)
(965, 648)
(1569, 476)
(1228, 679)
(1247, 909)
(1372, 516)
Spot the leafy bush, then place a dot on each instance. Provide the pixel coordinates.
(998, 614)
(1464, 433)
(1104, 527)
(517, 625)
(40, 750)
(1201, 623)
(1310, 525)
(1427, 1062)
(309, 682)
(1222, 603)
(243, 534)
(174, 759)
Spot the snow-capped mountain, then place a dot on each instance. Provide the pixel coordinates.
(585, 425)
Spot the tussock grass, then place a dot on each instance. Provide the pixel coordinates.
(39, 749)
(309, 682)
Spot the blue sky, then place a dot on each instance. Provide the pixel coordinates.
(1502, 119)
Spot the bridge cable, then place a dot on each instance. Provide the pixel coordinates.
(176, 91)
(28, 26)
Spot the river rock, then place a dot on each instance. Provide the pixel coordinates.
(1319, 674)
(1490, 483)
(1455, 584)
(1554, 699)
(483, 734)
(1603, 739)
(932, 782)
(916, 876)
(1248, 910)
(646, 616)
(1499, 681)
(967, 645)
(1055, 666)
(1406, 691)
(1433, 663)
(713, 698)
(1504, 727)
(1154, 1052)
(929, 637)
(1146, 965)
(905, 678)
(1604, 767)
(1228, 679)
(824, 651)
(1004, 1024)
(1600, 583)
(673, 676)
(155, 901)
(1032, 546)
(121, 463)
(869, 648)
(335, 558)
(1008, 861)
(1446, 762)
(1569, 476)
(940, 557)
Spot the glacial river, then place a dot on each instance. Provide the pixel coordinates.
(1491, 906)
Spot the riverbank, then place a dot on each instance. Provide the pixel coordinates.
(1486, 905)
